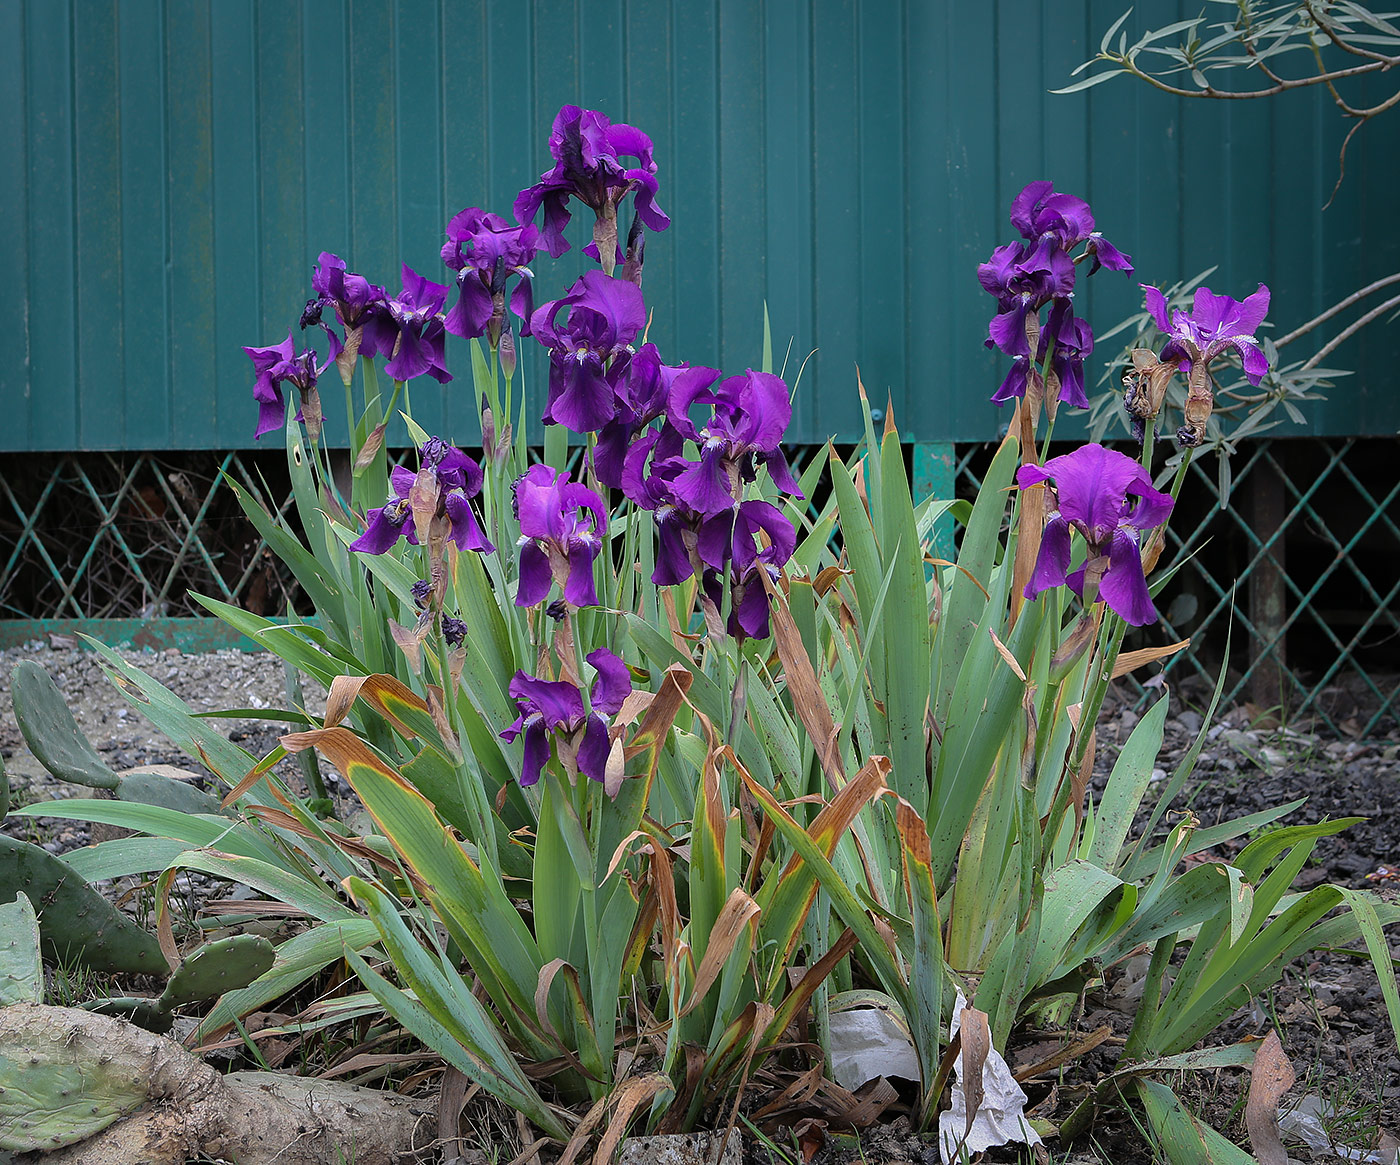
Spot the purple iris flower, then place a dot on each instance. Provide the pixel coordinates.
(1214, 323)
(641, 396)
(353, 298)
(1107, 497)
(587, 150)
(750, 415)
(552, 710)
(562, 526)
(454, 479)
(486, 251)
(1024, 279)
(1063, 221)
(649, 475)
(754, 536)
(279, 364)
(589, 351)
(408, 330)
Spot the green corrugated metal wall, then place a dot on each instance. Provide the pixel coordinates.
(169, 170)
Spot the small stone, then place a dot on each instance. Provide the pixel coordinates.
(681, 1149)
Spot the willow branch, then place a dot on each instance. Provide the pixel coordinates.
(1351, 330)
(1354, 297)
(1130, 66)
(1346, 46)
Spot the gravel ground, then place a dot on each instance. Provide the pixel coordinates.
(1329, 1010)
(207, 682)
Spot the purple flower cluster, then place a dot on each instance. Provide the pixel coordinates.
(552, 718)
(486, 251)
(405, 329)
(1026, 277)
(704, 523)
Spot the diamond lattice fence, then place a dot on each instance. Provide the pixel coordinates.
(1298, 558)
(123, 535)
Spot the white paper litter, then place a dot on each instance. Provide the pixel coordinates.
(1305, 1123)
(1001, 1117)
(867, 1042)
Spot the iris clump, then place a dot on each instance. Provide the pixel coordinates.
(850, 712)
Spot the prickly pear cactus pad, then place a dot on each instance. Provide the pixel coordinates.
(21, 972)
(223, 965)
(75, 921)
(151, 1014)
(66, 1074)
(51, 732)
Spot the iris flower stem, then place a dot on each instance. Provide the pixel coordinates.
(1149, 431)
(1045, 445)
(350, 416)
(1099, 676)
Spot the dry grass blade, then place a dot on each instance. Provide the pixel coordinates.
(1005, 653)
(1271, 1077)
(453, 1093)
(1132, 660)
(798, 1092)
(627, 1099)
(735, 918)
(807, 699)
(366, 1060)
(579, 1140)
(1065, 1055)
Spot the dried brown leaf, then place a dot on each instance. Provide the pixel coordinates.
(1270, 1078)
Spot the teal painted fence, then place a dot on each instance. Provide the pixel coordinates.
(169, 170)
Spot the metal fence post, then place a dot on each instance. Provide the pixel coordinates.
(1266, 587)
(935, 474)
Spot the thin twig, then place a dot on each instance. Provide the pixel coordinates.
(1340, 306)
(1349, 331)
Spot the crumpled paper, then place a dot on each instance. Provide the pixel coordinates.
(1001, 1117)
(867, 1042)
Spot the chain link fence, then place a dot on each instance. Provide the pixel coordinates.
(1298, 565)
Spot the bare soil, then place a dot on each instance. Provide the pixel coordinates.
(1328, 1009)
